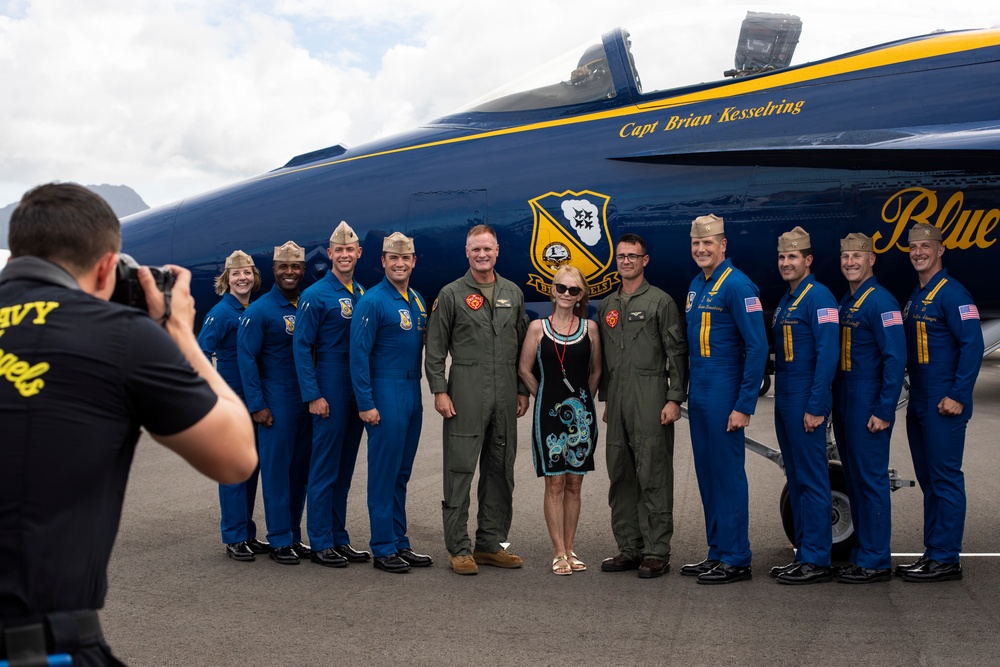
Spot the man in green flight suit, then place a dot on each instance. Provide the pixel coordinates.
(644, 382)
(480, 320)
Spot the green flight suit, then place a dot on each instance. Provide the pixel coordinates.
(645, 365)
(484, 339)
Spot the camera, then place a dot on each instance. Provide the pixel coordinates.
(129, 292)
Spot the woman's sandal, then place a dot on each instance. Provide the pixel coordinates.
(561, 569)
(575, 563)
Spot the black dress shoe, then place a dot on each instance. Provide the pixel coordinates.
(239, 551)
(352, 554)
(781, 569)
(934, 570)
(302, 550)
(620, 563)
(652, 568)
(258, 547)
(391, 563)
(724, 573)
(284, 556)
(413, 559)
(905, 567)
(696, 569)
(328, 558)
(806, 573)
(854, 574)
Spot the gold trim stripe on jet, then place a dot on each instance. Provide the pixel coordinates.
(789, 352)
(845, 348)
(923, 349)
(706, 328)
(931, 47)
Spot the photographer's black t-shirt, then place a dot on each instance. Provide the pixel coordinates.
(78, 377)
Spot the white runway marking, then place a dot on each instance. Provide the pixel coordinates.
(962, 555)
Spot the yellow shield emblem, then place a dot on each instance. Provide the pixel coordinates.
(404, 319)
(572, 228)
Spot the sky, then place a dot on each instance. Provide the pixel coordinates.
(176, 98)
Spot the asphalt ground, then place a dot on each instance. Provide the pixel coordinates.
(175, 598)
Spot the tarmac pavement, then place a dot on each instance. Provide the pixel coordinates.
(175, 598)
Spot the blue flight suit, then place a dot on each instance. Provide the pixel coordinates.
(218, 337)
(323, 329)
(805, 359)
(267, 366)
(387, 337)
(944, 345)
(868, 381)
(728, 345)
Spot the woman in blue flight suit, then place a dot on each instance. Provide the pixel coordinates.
(865, 393)
(387, 337)
(284, 430)
(238, 280)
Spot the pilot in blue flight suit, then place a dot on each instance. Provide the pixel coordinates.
(267, 366)
(728, 346)
(805, 355)
(865, 393)
(944, 344)
(387, 337)
(321, 344)
(238, 280)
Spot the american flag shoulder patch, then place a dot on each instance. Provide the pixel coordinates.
(825, 315)
(892, 318)
(753, 305)
(968, 312)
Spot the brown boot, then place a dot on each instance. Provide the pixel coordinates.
(463, 564)
(502, 558)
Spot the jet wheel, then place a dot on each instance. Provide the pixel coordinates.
(840, 515)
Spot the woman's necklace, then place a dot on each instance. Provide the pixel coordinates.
(561, 357)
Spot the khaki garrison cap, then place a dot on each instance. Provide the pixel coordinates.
(707, 225)
(343, 234)
(797, 239)
(289, 252)
(397, 243)
(239, 260)
(855, 241)
(924, 232)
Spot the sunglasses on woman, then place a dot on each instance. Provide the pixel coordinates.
(573, 291)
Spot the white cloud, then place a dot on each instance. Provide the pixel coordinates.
(174, 98)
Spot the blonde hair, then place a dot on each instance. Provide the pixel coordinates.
(222, 281)
(580, 309)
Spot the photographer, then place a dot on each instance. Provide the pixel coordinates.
(78, 377)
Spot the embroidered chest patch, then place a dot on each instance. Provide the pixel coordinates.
(612, 318)
(474, 301)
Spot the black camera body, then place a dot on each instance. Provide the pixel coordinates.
(129, 292)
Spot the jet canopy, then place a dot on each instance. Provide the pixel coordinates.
(695, 48)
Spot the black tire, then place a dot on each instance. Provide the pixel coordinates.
(840, 516)
(765, 385)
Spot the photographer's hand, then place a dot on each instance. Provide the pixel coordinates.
(181, 302)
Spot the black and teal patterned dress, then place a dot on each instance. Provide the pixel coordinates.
(564, 432)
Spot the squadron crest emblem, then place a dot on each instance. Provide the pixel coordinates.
(289, 324)
(572, 228)
(346, 308)
(405, 322)
(475, 301)
(611, 318)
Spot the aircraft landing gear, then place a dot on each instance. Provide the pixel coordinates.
(840, 515)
